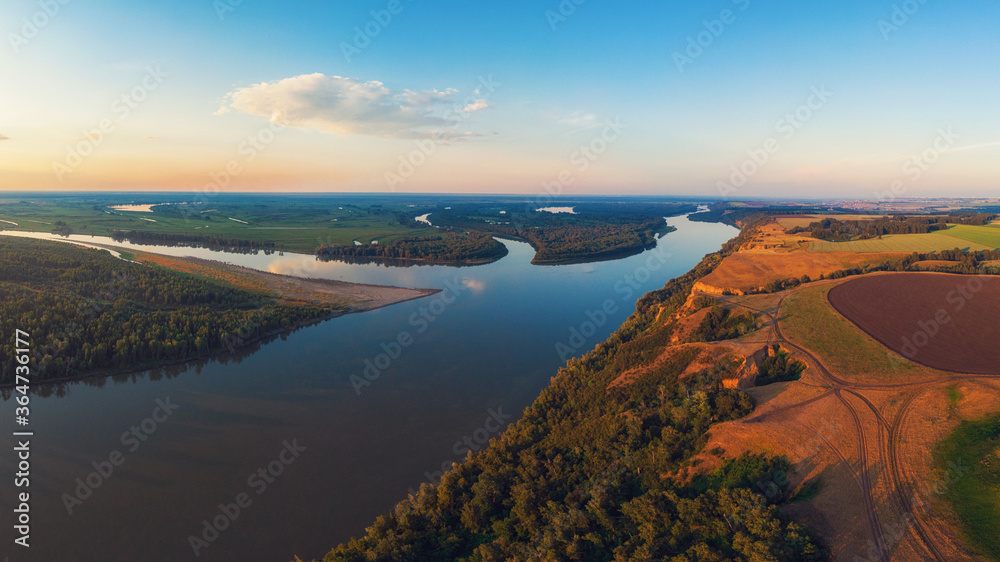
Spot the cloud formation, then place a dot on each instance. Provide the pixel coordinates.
(579, 119)
(3, 138)
(348, 106)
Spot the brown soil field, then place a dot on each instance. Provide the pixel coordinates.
(940, 320)
(867, 445)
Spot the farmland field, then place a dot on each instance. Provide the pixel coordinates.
(933, 319)
(808, 319)
(299, 226)
(988, 236)
(932, 242)
(791, 221)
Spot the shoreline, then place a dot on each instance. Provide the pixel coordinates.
(379, 296)
(214, 354)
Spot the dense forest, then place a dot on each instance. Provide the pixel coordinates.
(218, 243)
(598, 231)
(595, 231)
(89, 312)
(448, 247)
(841, 231)
(590, 472)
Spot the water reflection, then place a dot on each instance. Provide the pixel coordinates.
(493, 347)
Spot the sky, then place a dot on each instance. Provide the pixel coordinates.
(858, 99)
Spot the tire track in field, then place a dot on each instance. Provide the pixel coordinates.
(903, 489)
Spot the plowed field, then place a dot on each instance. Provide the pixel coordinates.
(947, 322)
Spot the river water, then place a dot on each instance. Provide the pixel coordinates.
(335, 448)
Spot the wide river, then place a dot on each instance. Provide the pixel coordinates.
(177, 442)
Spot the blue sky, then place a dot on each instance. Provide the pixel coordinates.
(683, 120)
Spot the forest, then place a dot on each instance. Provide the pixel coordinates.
(89, 312)
(595, 231)
(841, 231)
(598, 231)
(217, 243)
(588, 472)
(447, 247)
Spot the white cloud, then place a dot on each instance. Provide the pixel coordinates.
(3, 138)
(579, 119)
(350, 107)
(475, 106)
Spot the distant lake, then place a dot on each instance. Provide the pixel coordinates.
(480, 351)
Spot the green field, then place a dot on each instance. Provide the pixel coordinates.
(351, 224)
(988, 236)
(968, 463)
(909, 243)
(808, 319)
(293, 226)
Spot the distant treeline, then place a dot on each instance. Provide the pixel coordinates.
(444, 248)
(588, 243)
(728, 214)
(965, 262)
(90, 312)
(194, 241)
(590, 472)
(841, 231)
(596, 231)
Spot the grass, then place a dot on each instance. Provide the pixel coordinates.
(954, 395)
(969, 463)
(238, 280)
(296, 227)
(988, 236)
(907, 243)
(808, 319)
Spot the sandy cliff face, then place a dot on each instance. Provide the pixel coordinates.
(713, 290)
(746, 376)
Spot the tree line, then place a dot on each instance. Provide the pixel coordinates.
(235, 245)
(446, 247)
(841, 231)
(89, 312)
(582, 475)
(596, 231)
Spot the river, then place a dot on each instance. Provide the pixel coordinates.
(335, 448)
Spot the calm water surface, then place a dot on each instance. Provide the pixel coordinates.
(482, 357)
